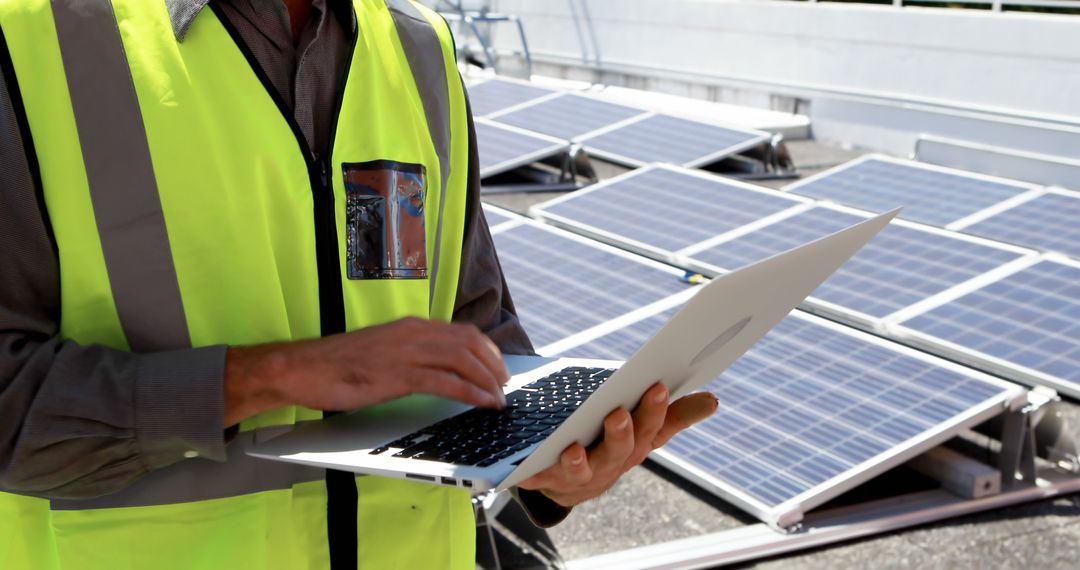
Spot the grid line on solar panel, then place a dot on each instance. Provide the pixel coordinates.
(496, 94)
(568, 116)
(807, 404)
(927, 194)
(563, 286)
(1030, 319)
(1050, 222)
(853, 442)
(838, 345)
(663, 138)
(502, 147)
(900, 267)
(667, 209)
(791, 359)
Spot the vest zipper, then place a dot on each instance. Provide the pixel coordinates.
(327, 258)
(341, 491)
(323, 169)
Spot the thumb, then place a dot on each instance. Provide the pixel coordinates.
(685, 412)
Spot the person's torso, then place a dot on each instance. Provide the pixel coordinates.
(188, 211)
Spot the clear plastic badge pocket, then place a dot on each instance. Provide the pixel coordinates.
(384, 220)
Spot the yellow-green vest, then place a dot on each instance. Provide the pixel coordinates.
(187, 213)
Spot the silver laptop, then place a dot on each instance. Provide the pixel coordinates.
(555, 402)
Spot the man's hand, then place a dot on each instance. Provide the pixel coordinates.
(366, 367)
(583, 474)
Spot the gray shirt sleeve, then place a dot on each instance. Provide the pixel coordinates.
(81, 421)
(483, 297)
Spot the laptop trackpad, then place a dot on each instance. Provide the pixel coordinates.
(365, 428)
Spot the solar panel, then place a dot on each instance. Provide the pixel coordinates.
(1050, 222)
(928, 194)
(665, 208)
(504, 148)
(663, 138)
(903, 265)
(568, 116)
(813, 410)
(1030, 319)
(497, 94)
(562, 285)
(495, 216)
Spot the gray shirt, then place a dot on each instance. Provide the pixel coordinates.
(84, 421)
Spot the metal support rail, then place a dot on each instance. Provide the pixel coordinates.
(455, 10)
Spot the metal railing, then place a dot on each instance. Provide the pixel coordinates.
(478, 19)
(1050, 6)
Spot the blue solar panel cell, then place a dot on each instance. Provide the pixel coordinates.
(927, 195)
(562, 286)
(668, 209)
(495, 95)
(800, 409)
(1049, 222)
(900, 267)
(662, 138)
(568, 116)
(1031, 318)
(501, 149)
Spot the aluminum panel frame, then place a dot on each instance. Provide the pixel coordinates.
(971, 226)
(598, 98)
(511, 81)
(510, 219)
(895, 328)
(553, 148)
(761, 137)
(792, 511)
(539, 211)
(1026, 186)
(650, 263)
(859, 319)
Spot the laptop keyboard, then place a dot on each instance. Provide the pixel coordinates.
(484, 437)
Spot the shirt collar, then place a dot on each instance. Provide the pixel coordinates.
(183, 12)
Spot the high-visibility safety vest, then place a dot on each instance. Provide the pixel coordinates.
(188, 212)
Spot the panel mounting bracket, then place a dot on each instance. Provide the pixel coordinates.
(1032, 431)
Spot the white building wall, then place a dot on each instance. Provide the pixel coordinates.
(837, 59)
(1029, 63)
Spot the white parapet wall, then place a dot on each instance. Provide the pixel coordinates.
(889, 72)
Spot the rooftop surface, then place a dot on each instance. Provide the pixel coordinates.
(651, 505)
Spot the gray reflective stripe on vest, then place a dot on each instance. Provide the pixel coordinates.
(197, 479)
(423, 49)
(120, 174)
